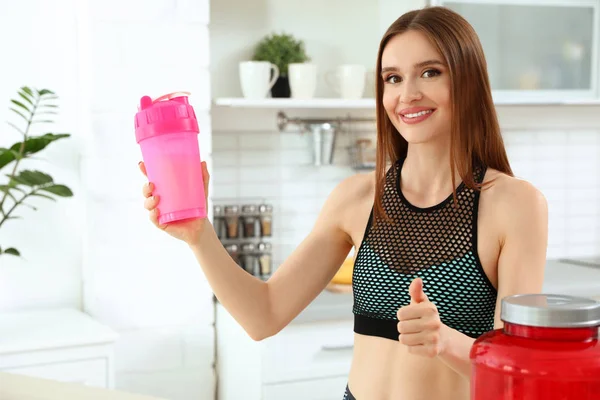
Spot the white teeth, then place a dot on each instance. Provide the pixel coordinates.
(415, 115)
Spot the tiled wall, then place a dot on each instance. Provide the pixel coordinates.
(563, 164)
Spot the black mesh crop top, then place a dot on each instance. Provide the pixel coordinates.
(437, 244)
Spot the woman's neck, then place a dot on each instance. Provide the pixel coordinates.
(426, 170)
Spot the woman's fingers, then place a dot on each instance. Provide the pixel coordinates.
(142, 167)
(205, 177)
(150, 203)
(147, 189)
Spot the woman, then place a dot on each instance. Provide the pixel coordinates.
(444, 230)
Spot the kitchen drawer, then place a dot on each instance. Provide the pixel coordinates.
(92, 372)
(317, 389)
(309, 351)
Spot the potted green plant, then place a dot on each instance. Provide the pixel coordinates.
(25, 184)
(281, 50)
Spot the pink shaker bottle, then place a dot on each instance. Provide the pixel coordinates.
(167, 131)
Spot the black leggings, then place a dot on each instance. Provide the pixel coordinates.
(348, 395)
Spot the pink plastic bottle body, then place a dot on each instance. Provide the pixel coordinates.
(168, 137)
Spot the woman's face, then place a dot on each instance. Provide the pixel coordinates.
(416, 88)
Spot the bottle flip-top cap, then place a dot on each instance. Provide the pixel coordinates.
(166, 114)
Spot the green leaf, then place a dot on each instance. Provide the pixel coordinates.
(27, 90)
(34, 144)
(42, 195)
(44, 92)
(30, 206)
(41, 121)
(46, 112)
(23, 106)
(48, 106)
(59, 190)
(33, 178)
(13, 251)
(6, 157)
(25, 97)
(20, 114)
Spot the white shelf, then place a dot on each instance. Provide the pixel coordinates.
(318, 103)
(369, 103)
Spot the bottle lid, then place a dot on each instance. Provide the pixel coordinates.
(170, 113)
(550, 311)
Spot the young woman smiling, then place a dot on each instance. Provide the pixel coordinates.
(443, 229)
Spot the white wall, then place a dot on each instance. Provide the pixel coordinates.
(98, 251)
(138, 280)
(39, 47)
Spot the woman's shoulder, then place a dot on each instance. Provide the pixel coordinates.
(353, 191)
(511, 194)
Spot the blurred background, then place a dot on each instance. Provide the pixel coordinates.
(91, 293)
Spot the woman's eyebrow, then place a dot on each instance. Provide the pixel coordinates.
(417, 65)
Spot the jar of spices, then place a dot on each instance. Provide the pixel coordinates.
(265, 259)
(249, 261)
(219, 222)
(233, 251)
(265, 212)
(250, 221)
(232, 218)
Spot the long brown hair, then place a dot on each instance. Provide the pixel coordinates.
(475, 133)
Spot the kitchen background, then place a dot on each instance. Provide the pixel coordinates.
(147, 322)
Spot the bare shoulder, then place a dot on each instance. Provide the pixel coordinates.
(354, 189)
(505, 191)
(513, 201)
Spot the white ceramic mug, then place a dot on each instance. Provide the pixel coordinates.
(256, 79)
(348, 80)
(303, 80)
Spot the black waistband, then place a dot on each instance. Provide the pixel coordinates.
(384, 328)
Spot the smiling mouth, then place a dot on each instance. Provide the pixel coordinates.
(417, 114)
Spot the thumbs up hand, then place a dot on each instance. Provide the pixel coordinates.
(419, 324)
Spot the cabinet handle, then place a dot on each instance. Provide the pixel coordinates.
(337, 348)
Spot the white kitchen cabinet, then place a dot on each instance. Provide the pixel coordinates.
(307, 359)
(537, 50)
(64, 345)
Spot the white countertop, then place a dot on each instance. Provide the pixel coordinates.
(20, 387)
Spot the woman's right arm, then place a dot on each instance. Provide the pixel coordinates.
(264, 308)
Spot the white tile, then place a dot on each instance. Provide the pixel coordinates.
(552, 137)
(225, 141)
(259, 141)
(225, 159)
(251, 158)
(258, 190)
(296, 190)
(297, 157)
(260, 174)
(226, 175)
(589, 137)
(295, 141)
(225, 191)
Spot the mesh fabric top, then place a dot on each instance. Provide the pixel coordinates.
(437, 244)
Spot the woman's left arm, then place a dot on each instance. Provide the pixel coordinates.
(522, 214)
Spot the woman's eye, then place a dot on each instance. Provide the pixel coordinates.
(392, 79)
(430, 73)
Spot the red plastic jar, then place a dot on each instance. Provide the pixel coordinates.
(547, 350)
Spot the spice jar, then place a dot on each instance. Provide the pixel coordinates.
(220, 224)
(233, 251)
(266, 219)
(250, 221)
(265, 258)
(249, 260)
(232, 217)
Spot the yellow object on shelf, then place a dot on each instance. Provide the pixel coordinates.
(344, 274)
